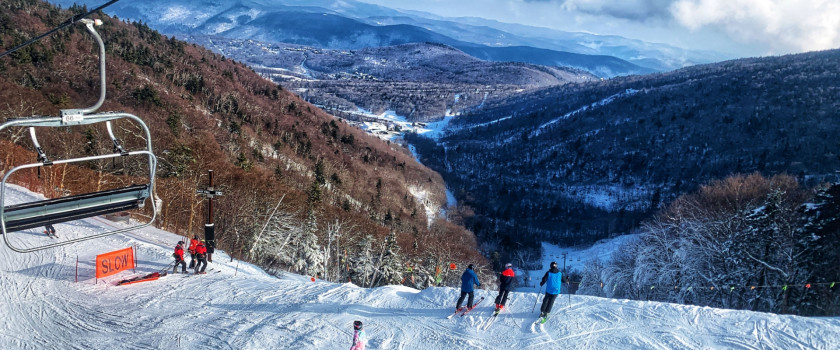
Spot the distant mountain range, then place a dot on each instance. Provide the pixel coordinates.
(659, 57)
(354, 25)
(421, 81)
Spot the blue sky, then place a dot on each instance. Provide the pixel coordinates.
(738, 27)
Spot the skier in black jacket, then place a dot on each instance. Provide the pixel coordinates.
(505, 286)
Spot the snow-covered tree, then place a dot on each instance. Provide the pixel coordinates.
(713, 246)
(335, 250)
(822, 232)
(391, 265)
(362, 264)
(309, 259)
(271, 242)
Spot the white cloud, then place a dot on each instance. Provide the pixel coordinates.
(737, 27)
(782, 26)
(638, 10)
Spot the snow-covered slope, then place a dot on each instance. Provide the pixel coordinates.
(238, 306)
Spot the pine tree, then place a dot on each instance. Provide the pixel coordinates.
(310, 261)
(362, 262)
(391, 267)
(822, 232)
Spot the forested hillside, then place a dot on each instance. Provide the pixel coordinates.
(578, 162)
(326, 193)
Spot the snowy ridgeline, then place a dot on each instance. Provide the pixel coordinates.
(238, 306)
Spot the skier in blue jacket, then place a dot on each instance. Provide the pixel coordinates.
(554, 278)
(467, 280)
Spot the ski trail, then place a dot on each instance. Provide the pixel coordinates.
(578, 335)
(242, 307)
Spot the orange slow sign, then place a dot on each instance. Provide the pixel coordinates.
(110, 263)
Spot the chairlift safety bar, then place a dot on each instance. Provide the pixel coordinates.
(86, 206)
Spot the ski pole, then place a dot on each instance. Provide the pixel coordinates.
(535, 301)
(167, 267)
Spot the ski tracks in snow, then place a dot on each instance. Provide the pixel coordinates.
(241, 307)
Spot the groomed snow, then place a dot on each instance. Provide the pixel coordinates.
(238, 306)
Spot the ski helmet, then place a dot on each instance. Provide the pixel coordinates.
(357, 325)
(470, 266)
(553, 264)
(180, 242)
(508, 265)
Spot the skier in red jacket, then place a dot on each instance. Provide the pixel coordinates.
(201, 256)
(193, 243)
(179, 258)
(505, 286)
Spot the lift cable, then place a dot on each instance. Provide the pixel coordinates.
(70, 21)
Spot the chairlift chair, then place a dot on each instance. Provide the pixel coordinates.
(24, 216)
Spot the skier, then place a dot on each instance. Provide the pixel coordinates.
(201, 256)
(193, 243)
(358, 336)
(505, 286)
(467, 280)
(179, 258)
(49, 230)
(553, 278)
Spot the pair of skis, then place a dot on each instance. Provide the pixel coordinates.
(202, 273)
(492, 318)
(490, 321)
(465, 311)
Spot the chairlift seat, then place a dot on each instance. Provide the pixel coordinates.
(52, 211)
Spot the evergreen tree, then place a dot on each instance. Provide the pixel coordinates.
(822, 232)
(391, 268)
(320, 178)
(362, 262)
(310, 260)
(315, 193)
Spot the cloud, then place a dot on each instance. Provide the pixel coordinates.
(636, 10)
(782, 26)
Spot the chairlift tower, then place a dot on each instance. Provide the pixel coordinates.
(209, 228)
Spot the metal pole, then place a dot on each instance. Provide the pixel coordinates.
(209, 228)
(564, 263)
(210, 200)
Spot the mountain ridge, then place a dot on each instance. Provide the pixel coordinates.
(323, 28)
